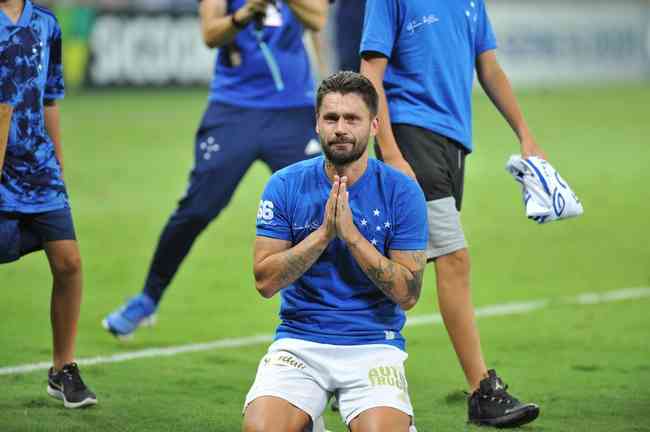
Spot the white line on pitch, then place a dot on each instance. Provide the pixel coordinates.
(486, 311)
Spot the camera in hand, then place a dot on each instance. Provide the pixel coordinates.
(261, 16)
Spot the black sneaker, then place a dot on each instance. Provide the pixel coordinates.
(492, 405)
(68, 386)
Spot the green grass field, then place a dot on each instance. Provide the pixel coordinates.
(127, 159)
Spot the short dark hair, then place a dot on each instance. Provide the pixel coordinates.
(346, 82)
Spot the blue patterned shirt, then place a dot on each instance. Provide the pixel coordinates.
(30, 72)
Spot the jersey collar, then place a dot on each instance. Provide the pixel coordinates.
(357, 184)
(25, 17)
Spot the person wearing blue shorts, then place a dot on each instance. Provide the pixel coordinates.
(347, 255)
(422, 56)
(34, 209)
(260, 108)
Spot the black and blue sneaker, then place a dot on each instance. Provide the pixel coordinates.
(492, 405)
(68, 386)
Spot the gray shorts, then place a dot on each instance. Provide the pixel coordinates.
(445, 230)
(439, 165)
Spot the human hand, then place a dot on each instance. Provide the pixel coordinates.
(328, 227)
(345, 228)
(530, 148)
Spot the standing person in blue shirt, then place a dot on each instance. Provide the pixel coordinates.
(421, 56)
(260, 107)
(347, 254)
(34, 209)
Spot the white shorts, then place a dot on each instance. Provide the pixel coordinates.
(306, 374)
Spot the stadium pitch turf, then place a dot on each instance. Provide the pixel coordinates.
(127, 158)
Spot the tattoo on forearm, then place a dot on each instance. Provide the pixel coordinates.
(296, 265)
(383, 275)
(414, 278)
(413, 282)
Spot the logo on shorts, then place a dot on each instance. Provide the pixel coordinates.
(387, 376)
(283, 359)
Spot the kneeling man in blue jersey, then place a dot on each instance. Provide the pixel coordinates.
(342, 237)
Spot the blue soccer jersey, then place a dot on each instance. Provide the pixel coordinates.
(431, 49)
(334, 302)
(30, 71)
(243, 76)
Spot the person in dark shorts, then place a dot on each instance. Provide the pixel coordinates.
(421, 56)
(34, 209)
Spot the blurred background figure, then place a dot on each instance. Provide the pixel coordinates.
(260, 109)
(347, 34)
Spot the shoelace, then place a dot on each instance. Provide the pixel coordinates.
(500, 395)
(71, 373)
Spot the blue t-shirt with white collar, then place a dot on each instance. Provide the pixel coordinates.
(432, 47)
(334, 302)
(30, 71)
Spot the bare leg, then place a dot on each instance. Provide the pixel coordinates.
(381, 419)
(455, 301)
(273, 414)
(65, 264)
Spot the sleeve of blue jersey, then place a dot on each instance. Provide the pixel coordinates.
(54, 86)
(379, 28)
(411, 229)
(272, 219)
(485, 38)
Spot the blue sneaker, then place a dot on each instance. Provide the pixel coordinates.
(139, 311)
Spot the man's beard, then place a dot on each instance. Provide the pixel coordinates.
(341, 158)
